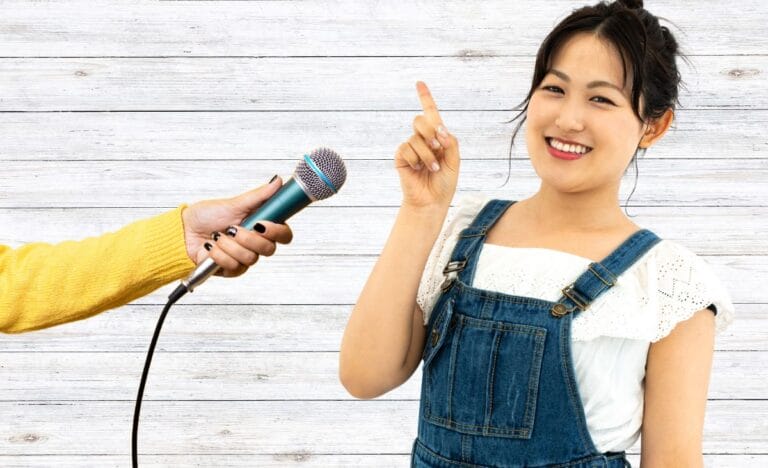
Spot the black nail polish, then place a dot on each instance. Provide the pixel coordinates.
(208, 246)
(260, 228)
(216, 236)
(273, 178)
(231, 231)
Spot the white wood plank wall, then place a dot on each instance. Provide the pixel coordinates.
(112, 111)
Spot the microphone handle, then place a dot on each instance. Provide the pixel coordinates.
(289, 200)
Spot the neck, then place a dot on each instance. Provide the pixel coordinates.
(553, 210)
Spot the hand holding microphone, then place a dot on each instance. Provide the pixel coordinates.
(318, 176)
(212, 229)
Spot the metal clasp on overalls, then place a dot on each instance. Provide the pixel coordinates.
(451, 271)
(559, 310)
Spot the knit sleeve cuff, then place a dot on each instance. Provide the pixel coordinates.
(164, 249)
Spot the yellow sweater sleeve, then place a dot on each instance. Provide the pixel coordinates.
(42, 285)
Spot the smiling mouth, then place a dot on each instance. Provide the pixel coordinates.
(577, 150)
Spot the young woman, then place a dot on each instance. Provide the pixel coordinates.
(42, 285)
(553, 330)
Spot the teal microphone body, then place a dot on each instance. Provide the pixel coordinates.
(289, 200)
(318, 176)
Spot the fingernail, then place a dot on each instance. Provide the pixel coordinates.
(260, 228)
(435, 144)
(418, 167)
(273, 178)
(435, 167)
(231, 231)
(442, 131)
(208, 246)
(216, 235)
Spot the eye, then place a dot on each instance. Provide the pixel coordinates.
(602, 100)
(553, 89)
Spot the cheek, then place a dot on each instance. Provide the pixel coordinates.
(624, 133)
(536, 120)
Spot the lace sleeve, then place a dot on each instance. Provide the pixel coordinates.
(685, 284)
(432, 277)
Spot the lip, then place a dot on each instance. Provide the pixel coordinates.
(563, 155)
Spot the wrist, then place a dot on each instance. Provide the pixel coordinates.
(187, 222)
(426, 220)
(431, 212)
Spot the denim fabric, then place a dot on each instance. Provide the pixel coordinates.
(498, 384)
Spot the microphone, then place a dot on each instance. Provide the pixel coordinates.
(318, 176)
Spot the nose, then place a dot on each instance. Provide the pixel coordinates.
(570, 118)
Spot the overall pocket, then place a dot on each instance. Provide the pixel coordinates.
(481, 377)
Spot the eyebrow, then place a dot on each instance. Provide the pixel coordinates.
(590, 85)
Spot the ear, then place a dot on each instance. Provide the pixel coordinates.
(657, 128)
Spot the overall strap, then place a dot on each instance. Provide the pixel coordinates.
(601, 276)
(465, 254)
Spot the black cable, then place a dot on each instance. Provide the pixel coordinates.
(175, 296)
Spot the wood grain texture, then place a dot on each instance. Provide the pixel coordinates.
(268, 427)
(363, 135)
(280, 328)
(359, 83)
(674, 183)
(113, 111)
(342, 28)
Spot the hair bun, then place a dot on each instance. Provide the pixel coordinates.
(632, 4)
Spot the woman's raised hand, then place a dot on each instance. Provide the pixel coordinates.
(428, 162)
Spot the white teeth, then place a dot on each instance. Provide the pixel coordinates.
(577, 149)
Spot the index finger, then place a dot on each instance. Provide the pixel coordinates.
(427, 103)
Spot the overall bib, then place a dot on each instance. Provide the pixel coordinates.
(498, 385)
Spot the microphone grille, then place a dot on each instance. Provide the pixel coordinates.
(332, 169)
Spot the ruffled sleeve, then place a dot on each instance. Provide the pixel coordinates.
(685, 284)
(666, 286)
(432, 277)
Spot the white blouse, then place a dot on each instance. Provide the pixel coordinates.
(610, 339)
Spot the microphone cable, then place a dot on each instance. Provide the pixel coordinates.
(180, 291)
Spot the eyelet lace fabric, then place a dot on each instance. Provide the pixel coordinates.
(664, 287)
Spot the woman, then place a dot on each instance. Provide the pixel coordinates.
(557, 330)
(42, 285)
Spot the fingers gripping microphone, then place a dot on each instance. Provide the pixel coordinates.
(318, 176)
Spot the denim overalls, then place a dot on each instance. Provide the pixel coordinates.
(498, 385)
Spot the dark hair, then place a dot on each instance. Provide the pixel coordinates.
(647, 50)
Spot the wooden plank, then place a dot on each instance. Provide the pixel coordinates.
(700, 134)
(339, 280)
(324, 84)
(268, 328)
(286, 427)
(308, 460)
(298, 459)
(704, 230)
(451, 27)
(62, 184)
(250, 376)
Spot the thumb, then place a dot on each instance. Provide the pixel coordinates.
(248, 201)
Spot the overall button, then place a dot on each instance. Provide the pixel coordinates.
(435, 337)
(559, 310)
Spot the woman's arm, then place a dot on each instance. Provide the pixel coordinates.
(42, 285)
(384, 338)
(676, 384)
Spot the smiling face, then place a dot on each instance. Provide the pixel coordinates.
(581, 130)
